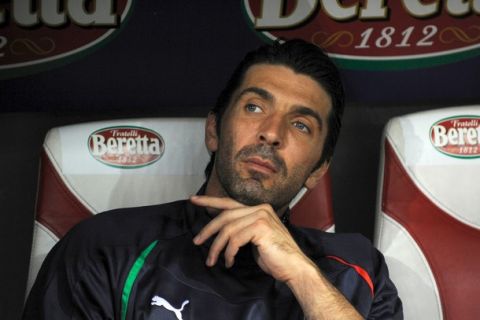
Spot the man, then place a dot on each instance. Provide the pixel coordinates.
(230, 252)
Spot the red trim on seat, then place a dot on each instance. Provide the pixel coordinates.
(451, 247)
(361, 272)
(315, 209)
(57, 208)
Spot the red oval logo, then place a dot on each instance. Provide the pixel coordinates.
(126, 146)
(375, 34)
(457, 136)
(33, 36)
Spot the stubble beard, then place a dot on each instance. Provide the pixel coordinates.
(252, 190)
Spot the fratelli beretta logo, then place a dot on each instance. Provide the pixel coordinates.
(126, 146)
(457, 136)
(41, 34)
(374, 34)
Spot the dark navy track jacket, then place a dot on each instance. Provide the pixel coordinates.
(141, 263)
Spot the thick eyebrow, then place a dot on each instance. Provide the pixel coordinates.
(258, 91)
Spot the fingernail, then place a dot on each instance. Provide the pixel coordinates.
(196, 240)
(211, 261)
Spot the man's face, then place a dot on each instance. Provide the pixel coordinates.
(271, 136)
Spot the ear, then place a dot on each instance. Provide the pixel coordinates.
(316, 175)
(211, 138)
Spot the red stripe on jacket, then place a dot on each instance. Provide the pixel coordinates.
(361, 272)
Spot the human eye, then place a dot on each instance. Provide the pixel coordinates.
(250, 107)
(301, 126)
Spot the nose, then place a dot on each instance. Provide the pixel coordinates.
(272, 131)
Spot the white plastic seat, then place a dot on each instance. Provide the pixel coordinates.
(428, 212)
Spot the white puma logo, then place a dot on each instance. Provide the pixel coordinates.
(159, 301)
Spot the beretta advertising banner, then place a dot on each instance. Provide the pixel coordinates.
(391, 52)
(375, 34)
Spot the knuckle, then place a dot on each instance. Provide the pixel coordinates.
(216, 247)
(233, 243)
(261, 223)
(226, 230)
(266, 207)
(231, 251)
(264, 214)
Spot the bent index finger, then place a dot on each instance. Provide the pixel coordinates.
(219, 222)
(216, 202)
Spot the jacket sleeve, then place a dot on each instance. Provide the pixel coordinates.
(386, 304)
(73, 283)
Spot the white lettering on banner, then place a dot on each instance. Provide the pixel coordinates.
(470, 123)
(102, 15)
(272, 10)
(455, 136)
(131, 146)
(339, 12)
(22, 13)
(122, 133)
(375, 9)
(384, 37)
(112, 146)
(122, 145)
(272, 14)
(99, 147)
(472, 136)
(419, 9)
(458, 7)
(48, 12)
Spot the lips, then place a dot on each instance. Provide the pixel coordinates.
(262, 165)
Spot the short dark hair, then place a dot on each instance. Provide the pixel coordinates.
(303, 58)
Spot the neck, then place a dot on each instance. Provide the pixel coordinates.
(214, 187)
